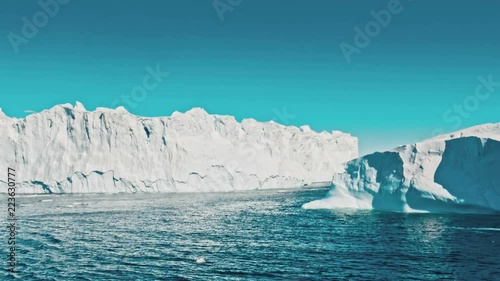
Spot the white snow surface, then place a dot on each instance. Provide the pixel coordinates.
(457, 172)
(70, 150)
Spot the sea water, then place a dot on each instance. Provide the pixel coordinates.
(258, 235)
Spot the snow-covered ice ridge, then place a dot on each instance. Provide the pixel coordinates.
(70, 150)
(458, 172)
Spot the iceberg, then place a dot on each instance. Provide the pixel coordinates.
(457, 172)
(68, 149)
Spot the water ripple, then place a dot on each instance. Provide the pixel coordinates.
(245, 236)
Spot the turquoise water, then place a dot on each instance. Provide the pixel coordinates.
(261, 235)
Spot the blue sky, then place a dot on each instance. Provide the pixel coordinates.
(263, 59)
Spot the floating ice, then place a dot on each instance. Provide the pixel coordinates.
(450, 173)
(201, 261)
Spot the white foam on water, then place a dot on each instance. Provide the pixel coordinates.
(201, 261)
(486, 228)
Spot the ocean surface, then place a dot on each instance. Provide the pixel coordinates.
(260, 235)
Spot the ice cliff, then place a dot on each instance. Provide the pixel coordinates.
(459, 172)
(68, 149)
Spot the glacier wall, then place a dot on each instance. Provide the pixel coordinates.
(450, 173)
(70, 150)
